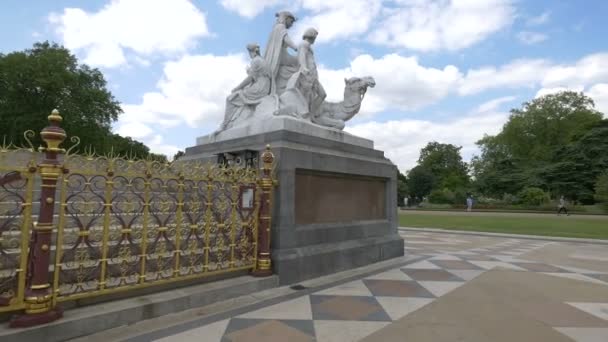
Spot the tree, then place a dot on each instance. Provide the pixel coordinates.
(601, 190)
(35, 81)
(533, 196)
(534, 131)
(420, 181)
(532, 148)
(178, 155)
(402, 188)
(45, 77)
(446, 165)
(576, 166)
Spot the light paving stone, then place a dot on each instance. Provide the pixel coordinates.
(353, 288)
(423, 265)
(394, 274)
(345, 331)
(596, 309)
(439, 288)
(507, 258)
(585, 334)
(397, 307)
(580, 270)
(575, 276)
(488, 265)
(445, 257)
(298, 308)
(212, 333)
(466, 274)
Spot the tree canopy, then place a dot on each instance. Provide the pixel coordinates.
(553, 145)
(556, 143)
(36, 81)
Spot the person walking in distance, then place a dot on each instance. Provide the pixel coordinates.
(469, 203)
(562, 206)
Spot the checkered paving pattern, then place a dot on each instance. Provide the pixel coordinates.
(353, 310)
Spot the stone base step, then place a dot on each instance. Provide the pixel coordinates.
(103, 316)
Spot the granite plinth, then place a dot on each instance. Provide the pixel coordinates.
(308, 240)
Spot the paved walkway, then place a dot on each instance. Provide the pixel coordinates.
(460, 288)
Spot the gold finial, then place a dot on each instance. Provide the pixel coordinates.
(268, 146)
(55, 117)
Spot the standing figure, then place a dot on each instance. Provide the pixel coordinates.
(249, 93)
(309, 77)
(281, 64)
(303, 94)
(562, 206)
(469, 203)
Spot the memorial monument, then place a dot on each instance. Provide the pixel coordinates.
(336, 203)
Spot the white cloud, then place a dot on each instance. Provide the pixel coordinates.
(157, 145)
(518, 73)
(401, 82)
(338, 19)
(402, 140)
(429, 25)
(530, 38)
(249, 8)
(533, 73)
(145, 27)
(599, 94)
(539, 19)
(493, 105)
(590, 69)
(192, 91)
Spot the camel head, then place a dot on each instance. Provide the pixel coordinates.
(359, 85)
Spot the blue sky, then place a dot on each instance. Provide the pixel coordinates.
(445, 70)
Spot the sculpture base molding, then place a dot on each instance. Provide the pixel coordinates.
(335, 206)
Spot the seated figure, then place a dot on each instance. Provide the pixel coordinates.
(241, 103)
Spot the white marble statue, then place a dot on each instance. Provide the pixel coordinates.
(303, 94)
(281, 64)
(280, 84)
(241, 103)
(336, 114)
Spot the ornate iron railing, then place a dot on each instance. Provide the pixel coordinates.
(108, 224)
(17, 167)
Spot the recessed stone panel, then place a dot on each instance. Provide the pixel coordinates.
(328, 198)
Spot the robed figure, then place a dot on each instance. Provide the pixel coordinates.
(242, 102)
(280, 63)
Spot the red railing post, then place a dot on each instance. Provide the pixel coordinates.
(264, 267)
(38, 292)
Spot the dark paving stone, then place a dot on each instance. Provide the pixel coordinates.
(396, 288)
(347, 308)
(431, 275)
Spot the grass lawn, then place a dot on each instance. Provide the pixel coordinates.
(564, 226)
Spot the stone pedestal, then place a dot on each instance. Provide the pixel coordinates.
(335, 207)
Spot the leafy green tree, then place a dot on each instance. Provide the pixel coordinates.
(534, 131)
(538, 147)
(420, 181)
(35, 81)
(441, 196)
(601, 190)
(533, 196)
(445, 163)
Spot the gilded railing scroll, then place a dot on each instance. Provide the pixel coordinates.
(81, 225)
(17, 169)
(132, 223)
